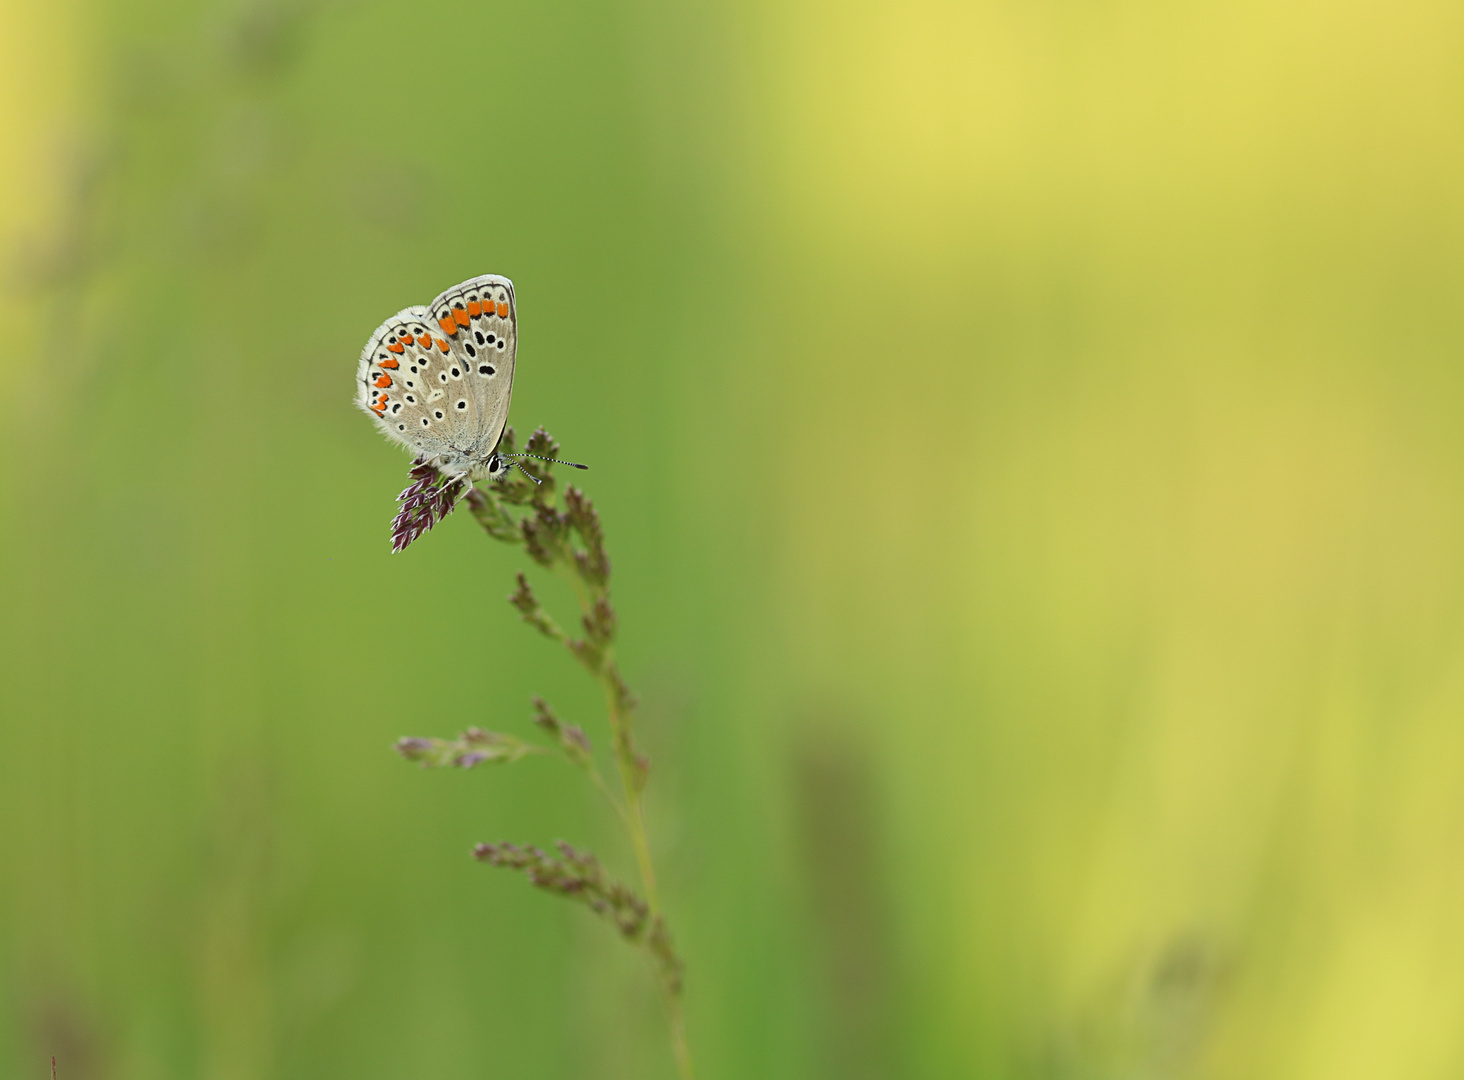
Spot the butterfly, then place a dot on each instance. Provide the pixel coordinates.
(439, 379)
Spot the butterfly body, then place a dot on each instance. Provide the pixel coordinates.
(439, 379)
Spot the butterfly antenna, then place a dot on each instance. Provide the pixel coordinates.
(571, 464)
(526, 472)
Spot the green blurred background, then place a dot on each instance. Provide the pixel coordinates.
(1029, 441)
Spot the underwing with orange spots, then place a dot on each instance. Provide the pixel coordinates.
(438, 379)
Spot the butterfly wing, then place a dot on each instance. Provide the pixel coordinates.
(438, 380)
(396, 381)
(479, 322)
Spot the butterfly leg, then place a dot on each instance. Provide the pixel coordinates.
(449, 480)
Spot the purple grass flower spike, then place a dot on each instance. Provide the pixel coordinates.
(426, 501)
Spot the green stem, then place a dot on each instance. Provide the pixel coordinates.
(562, 563)
(599, 782)
(635, 823)
(679, 1048)
(565, 568)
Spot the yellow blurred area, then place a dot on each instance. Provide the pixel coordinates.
(1029, 441)
(1137, 328)
(42, 49)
